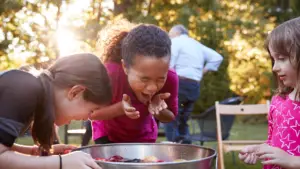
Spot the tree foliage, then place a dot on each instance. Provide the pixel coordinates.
(235, 28)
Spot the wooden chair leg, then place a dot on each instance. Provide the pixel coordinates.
(220, 158)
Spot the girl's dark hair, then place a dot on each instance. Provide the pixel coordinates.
(285, 40)
(78, 69)
(123, 40)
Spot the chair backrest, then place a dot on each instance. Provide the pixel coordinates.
(229, 110)
(246, 109)
(207, 120)
(232, 110)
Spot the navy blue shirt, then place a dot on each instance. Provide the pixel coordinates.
(20, 94)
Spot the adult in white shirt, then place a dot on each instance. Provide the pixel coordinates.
(191, 60)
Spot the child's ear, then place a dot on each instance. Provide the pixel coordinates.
(124, 67)
(75, 91)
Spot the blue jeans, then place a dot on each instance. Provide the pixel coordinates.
(188, 93)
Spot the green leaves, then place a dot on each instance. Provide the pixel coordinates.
(235, 28)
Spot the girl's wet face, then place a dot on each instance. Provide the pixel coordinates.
(284, 69)
(72, 106)
(147, 75)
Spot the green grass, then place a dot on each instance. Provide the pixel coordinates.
(239, 131)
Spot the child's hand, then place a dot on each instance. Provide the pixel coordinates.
(277, 156)
(158, 103)
(128, 109)
(62, 148)
(248, 154)
(79, 160)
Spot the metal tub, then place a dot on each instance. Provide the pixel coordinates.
(197, 157)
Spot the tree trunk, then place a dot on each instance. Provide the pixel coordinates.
(57, 53)
(122, 7)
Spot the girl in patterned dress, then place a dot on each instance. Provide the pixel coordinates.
(282, 148)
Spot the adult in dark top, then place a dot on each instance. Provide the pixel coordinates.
(71, 89)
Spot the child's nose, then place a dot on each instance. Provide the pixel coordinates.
(152, 88)
(276, 67)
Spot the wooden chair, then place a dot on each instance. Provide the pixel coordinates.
(74, 132)
(236, 145)
(207, 123)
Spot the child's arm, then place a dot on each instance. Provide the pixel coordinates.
(76, 160)
(170, 110)
(159, 108)
(165, 116)
(108, 112)
(19, 161)
(294, 162)
(276, 156)
(269, 156)
(34, 150)
(30, 150)
(248, 154)
(117, 109)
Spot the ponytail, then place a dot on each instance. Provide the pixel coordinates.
(113, 50)
(43, 124)
(110, 38)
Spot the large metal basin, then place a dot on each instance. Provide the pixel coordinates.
(197, 157)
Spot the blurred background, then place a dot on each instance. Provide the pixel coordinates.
(35, 32)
